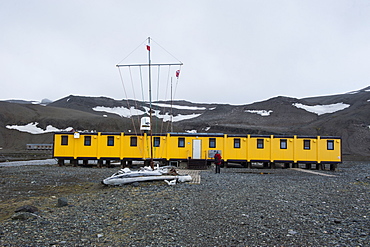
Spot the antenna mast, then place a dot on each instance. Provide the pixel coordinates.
(149, 64)
(150, 106)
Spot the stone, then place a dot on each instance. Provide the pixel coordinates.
(62, 202)
(23, 216)
(136, 184)
(27, 208)
(337, 221)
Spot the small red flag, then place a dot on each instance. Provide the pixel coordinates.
(177, 73)
(148, 47)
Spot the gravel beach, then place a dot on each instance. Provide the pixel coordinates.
(239, 207)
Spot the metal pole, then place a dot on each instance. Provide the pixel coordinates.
(150, 107)
(171, 108)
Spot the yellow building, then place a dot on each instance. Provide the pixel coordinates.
(243, 149)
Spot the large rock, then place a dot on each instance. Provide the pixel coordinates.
(62, 202)
(23, 216)
(27, 208)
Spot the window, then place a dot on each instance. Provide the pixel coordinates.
(236, 142)
(157, 141)
(212, 142)
(87, 140)
(307, 144)
(259, 143)
(64, 140)
(181, 142)
(330, 145)
(110, 141)
(283, 144)
(133, 141)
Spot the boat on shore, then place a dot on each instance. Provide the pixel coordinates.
(127, 176)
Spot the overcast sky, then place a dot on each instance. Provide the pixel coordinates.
(235, 51)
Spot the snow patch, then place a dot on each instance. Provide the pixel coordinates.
(121, 111)
(353, 92)
(263, 113)
(125, 112)
(184, 117)
(181, 107)
(322, 109)
(167, 117)
(33, 129)
(191, 131)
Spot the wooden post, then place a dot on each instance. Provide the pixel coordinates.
(333, 167)
(273, 166)
(100, 163)
(61, 162)
(74, 162)
(129, 163)
(318, 166)
(123, 164)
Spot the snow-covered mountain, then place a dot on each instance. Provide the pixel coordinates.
(345, 115)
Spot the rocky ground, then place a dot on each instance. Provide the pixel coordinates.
(239, 207)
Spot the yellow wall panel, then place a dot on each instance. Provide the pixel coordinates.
(259, 148)
(325, 154)
(235, 153)
(109, 145)
(282, 149)
(63, 150)
(302, 154)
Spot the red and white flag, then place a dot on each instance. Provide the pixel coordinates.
(177, 73)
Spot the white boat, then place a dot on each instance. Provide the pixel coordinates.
(127, 176)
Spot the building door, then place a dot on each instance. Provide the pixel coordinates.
(197, 149)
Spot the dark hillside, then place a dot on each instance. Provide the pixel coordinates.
(23, 114)
(278, 115)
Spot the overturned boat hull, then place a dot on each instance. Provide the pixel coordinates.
(129, 180)
(126, 176)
